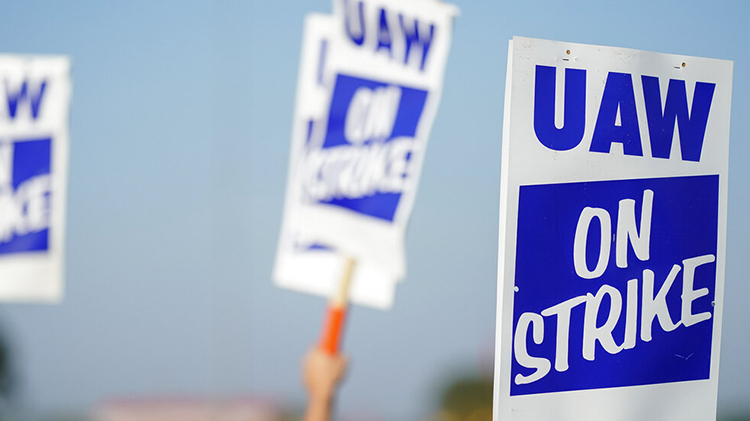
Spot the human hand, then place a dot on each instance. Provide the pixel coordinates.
(322, 373)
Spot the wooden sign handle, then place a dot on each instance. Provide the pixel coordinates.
(336, 312)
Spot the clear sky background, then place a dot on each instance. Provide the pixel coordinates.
(180, 130)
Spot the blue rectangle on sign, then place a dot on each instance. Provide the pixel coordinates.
(614, 283)
(25, 196)
(364, 161)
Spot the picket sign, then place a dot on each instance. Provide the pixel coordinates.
(361, 171)
(368, 90)
(303, 263)
(612, 234)
(34, 100)
(369, 85)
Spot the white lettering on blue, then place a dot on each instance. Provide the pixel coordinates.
(627, 233)
(540, 365)
(653, 303)
(372, 114)
(354, 172)
(26, 209)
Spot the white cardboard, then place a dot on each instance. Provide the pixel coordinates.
(361, 236)
(331, 59)
(298, 266)
(33, 273)
(527, 162)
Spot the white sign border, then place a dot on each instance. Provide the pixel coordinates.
(39, 277)
(697, 399)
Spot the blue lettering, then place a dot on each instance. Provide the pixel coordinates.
(16, 98)
(412, 37)
(384, 34)
(618, 96)
(571, 133)
(692, 124)
(359, 38)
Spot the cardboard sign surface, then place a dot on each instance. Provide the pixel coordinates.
(34, 102)
(369, 86)
(612, 234)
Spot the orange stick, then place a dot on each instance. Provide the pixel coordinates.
(333, 328)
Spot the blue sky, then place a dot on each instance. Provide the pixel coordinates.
(180, 127)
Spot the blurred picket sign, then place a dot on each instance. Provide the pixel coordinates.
(368, 90)
(34, 102)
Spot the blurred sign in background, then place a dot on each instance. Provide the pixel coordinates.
(180, 124)
(33, 176)
(368, 90)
